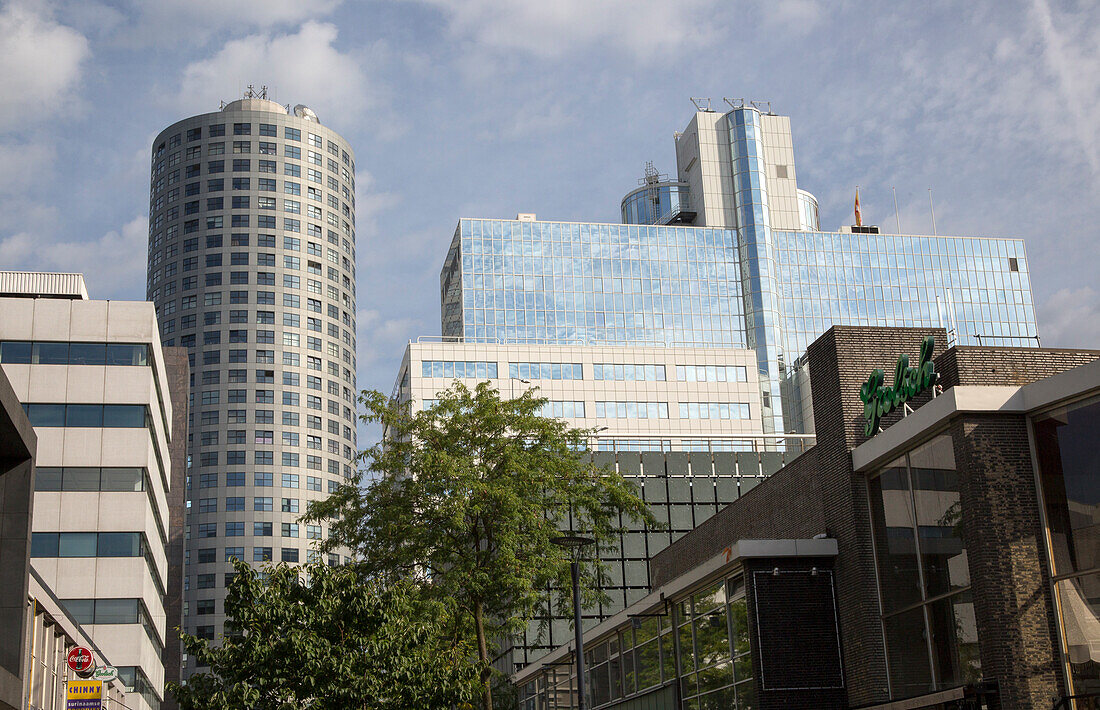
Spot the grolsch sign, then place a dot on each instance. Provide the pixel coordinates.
(909, 381)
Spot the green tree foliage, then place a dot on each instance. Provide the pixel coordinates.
(328, 638)
(470, 494)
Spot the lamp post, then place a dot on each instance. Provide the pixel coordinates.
(574, 542)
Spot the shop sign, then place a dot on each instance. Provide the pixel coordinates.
(879, 399)
(105, 673)
(84, 695)
(80, 660)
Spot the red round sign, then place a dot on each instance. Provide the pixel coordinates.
(80, 660)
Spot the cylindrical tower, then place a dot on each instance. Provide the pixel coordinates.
(252, 268)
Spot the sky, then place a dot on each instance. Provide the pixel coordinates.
(487, 108)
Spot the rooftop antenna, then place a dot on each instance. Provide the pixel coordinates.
(759, 106)
(701, 104)
(734, 103)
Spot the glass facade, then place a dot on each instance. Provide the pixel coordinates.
(605, 284)
(924, 579)
(701, 643)
(655, 203)
(1069, 469)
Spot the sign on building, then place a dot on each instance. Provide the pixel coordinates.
(84, 695)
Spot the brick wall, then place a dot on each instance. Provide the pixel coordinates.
(1010, 582)
(1007, 366)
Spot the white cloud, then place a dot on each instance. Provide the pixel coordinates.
(304, 67)
(41, 62)
(644, 29)
(113, 265)
(24, 166)
(1070, 318)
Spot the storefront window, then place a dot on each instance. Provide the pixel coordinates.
(923, 572)
(1069, 470)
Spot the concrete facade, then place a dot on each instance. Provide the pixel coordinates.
(656, 376)
(104, 472)
(252, 270)
(18, 444)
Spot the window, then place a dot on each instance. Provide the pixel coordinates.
(921, 555)
(234, 479)
(268, 129)
(208, 529)
(313, 483)
(234, 504)
(262, 504)
(242, 129)
(714, 410)
(290, 554)
(632, 410)
(292, 134)
(290, 529)
(290, 505)
(231, 553)
(261, 554)
(208, 505)
(290, 480)
(208, 554)
(452, 369)
(711, 373)
(261, 529)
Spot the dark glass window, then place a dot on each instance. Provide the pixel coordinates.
(46, 414)
(120, 545)
(44, 544)
(51, 353)
(82, 544)
(14, 351)
(87, 353)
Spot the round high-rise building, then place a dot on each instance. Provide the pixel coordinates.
(252, 268)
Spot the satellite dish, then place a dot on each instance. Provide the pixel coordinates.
(306, 113)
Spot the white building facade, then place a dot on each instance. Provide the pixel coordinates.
(639, 398)
(91, 376)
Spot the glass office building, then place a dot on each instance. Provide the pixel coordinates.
(567, 283)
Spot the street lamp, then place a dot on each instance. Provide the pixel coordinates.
(572, 541)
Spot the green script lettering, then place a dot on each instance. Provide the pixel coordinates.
(879, 400)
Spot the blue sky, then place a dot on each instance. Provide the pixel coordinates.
(486, 108)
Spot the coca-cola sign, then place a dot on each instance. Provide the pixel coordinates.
(80, 660)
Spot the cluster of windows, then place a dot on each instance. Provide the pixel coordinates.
(546, 370)
(459, 369)
(61, 353)
(550, 282)
(560, 410)
(923, 573)
(88, 415)
(703, 647)
(90, 478)
(113, 611)
(87, 544)
(714, 410)
(711, 373)
(682, 489)
(978, 286)
(629, 373)
(632, 410)
(208, 555)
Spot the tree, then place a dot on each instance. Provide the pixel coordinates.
(328, 637)
(470, 494)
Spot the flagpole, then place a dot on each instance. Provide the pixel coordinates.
(896, 216)
(933, 208)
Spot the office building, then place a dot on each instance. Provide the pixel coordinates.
(94, 382)
(725, 256)
(741, 264)
(641, 399)
(252, 269)
(944, 561)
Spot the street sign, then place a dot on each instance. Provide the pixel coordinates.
(84, 695)
(80, 660)
(105, 673)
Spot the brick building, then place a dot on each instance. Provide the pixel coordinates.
(950, 559)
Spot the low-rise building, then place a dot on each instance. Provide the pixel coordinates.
(938, 553)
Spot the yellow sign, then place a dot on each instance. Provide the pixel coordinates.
(83, 694)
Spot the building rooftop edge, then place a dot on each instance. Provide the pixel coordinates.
(45, 284)
(727, 229)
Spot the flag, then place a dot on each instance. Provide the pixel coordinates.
(859, 214)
